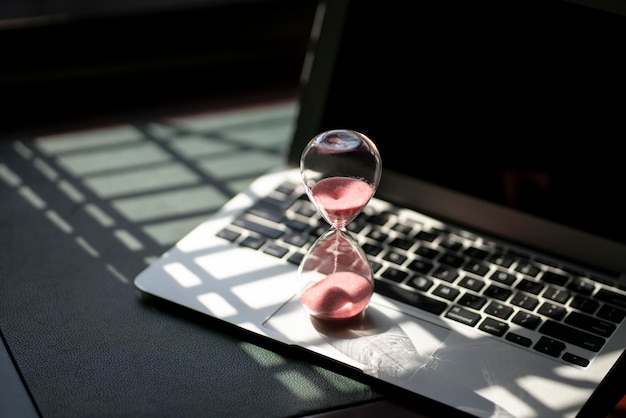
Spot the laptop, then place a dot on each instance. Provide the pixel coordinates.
(495, 237)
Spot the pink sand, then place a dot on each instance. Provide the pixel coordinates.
(339, 295)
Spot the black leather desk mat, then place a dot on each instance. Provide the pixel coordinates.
(83, 340)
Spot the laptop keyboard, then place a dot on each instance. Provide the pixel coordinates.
(530, 301)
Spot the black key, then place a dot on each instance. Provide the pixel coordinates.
(401, 243)
(451, 260)
(295, 258)
(296, 225)
(264, 230)
(585, 304)
(572, 335)
(527, 268)
(574, 359)
(591, 324)
(611, 297)
(612, 313)
(427, 252)
(276, 250)
(372, 249)
(394, 274)
(446, 292)
(499, 310)
(525, 301)
(229, 235)
(518, 339)
(552, 310)
(476, 253)
(377, 235)
(557, 295)
(554, 278)
(426, 236)
(299, 240)
(503, 260)
(471, 283)
(253, 242)
(478, 268)
(420, 283)
(503, 277)
(267, 212)
(530, 286)
(498, 292)
(472, 301)
(420, 266)
(494, 327)
(463, 315)
(409, 297)
(445, 273)
(526, 320)
(550, 346)
(394, 257)
(581, 285)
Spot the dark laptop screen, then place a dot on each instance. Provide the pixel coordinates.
(516, 102)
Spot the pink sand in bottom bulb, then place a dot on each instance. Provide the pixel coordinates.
(341, 197)
(338, 296)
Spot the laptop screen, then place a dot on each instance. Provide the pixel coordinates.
(513, 102)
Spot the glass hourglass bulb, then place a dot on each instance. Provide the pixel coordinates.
(340, 172)
(336, 279)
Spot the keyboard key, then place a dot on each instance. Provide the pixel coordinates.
(591, 324)
(572, 335)
(526, 320)
(518, 339)
(612, 313)
(409, 297)
(503, 277)
(502, 260)
(463, 315)
(585, 304)
(551, 310)
(527, 268)
(499, 310)
(264, 230)
(613, 298)
(574, 359)
(530, 286)
(478, 268)
(554, 278)
(525, 301)
(421, 266)
(477, 253)
(446, 292)
(557, 295)
(451, 260)
(550, 346)
(420, 283)
(276, 250)
(471, 283)
(494, 327)
(498, 292)
(394, 274)
(472, 301)
(394, 257)
(445, 273)
(229, 235)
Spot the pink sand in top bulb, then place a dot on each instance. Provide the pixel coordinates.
(341, 197)
(339, 295)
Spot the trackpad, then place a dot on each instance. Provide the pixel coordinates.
(382, 342)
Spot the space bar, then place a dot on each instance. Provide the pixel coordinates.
(409, 297)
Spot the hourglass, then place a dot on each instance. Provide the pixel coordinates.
(340, 173)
